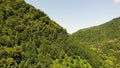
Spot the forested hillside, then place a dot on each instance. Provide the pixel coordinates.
(104, 39)
(30, 39)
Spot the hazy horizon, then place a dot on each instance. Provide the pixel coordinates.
(78, 14)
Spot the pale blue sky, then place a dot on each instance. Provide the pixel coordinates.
(78, 14)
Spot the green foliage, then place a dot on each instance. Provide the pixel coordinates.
(104, 39)
(30, 39)
(70, 62)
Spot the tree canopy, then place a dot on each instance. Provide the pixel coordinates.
(30, 39)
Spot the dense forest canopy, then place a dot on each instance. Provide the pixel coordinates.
(103, 39)
(30, 39)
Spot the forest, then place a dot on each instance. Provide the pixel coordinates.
(30, 39)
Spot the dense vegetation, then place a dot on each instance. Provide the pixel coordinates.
(30, 39)
(103, 39)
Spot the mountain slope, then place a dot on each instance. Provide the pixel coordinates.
(102, 33)
(23, 31)
(30, 39)
(103, 39)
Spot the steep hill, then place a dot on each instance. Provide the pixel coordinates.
(30, 39)
(103, 39)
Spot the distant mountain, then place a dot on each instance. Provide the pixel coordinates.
(103, 39)
(102, 33)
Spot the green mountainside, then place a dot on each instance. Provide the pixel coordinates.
(104, 39)
(99, 34)
(30, 39)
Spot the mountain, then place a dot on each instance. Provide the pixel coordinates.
(103, 39)
(102, 33)
(30, 39)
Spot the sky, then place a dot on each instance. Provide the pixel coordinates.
(74, 15)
